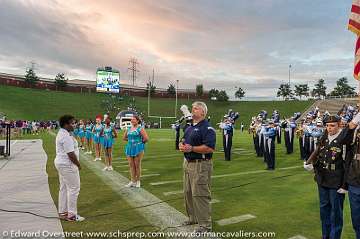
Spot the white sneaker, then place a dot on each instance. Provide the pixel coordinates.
(90, 152)
(76, 218)
(137, 184)
(110, 168)
(105, 169)
(87, 152)
(95, 159)
(130, 184)
(99, 159)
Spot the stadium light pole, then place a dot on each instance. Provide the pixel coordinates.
(176, 97)
(289, 73)
(149, 99)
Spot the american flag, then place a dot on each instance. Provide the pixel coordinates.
(354, 26)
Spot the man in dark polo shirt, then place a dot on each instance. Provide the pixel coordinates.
(198, 145)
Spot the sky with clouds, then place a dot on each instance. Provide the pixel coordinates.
(220, 44)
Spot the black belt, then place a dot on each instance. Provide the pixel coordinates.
(196, 160)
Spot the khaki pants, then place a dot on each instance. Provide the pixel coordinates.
(197, 179)
(69, 188)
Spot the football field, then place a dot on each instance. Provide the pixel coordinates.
(283, 201)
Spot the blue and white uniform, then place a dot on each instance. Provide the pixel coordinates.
(135, 143)
(88, 132)
(81, 131)
(98, 138)
(108, 136)
(269, 152)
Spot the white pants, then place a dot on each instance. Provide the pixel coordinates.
(69, 178)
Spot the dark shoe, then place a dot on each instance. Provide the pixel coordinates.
(202, 230)
(188, 223)
(75, 218)
(63, 216)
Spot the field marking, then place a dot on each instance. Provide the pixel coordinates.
(245, 153)
(154, 210)
(239, 149)
(120, 162)
(162, 156)
(127, 171)
(165, 182)
(252, 172)
(234, 220)
(298, 237)
(226, 175)
(162, 140)
(121, 166)
(150, 175)
(173, 193)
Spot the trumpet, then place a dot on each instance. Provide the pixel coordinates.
(299, 132)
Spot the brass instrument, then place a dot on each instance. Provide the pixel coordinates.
(299, 131)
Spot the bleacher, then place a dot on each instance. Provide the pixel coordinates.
(331, 105)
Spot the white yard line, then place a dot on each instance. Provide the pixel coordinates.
(127, 171)
(298, 237)
(117, 161)
(173, 193)
(163, 156)
(226, 175)
(234, 220)
(120, 166)
(150, 175)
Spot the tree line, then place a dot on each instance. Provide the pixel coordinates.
(61, 81)
(342, 88)
(31, 78)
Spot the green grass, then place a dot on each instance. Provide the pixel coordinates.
(286, 205)
(284, 201)
(32, 104)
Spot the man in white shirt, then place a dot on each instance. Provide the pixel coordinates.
(68, 166)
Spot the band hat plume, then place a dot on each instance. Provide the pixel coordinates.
(185, 110)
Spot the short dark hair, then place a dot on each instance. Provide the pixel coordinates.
(65, 119)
